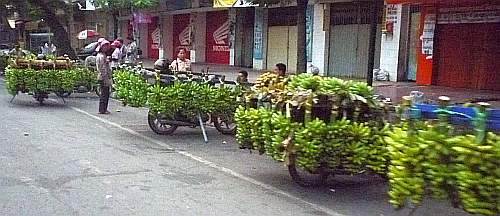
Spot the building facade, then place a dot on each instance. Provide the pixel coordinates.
(444, 43)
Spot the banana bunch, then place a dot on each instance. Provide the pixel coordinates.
(266, 79)
(377, 158)
(253, 128)
(406, 175)
(477, 173)
(131, 88)
(304, 81)
(282, 127)
(30, 80)
(243, 133)
(308, 144)
(438, 161)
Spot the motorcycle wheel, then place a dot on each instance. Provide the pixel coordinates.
(156, 123)
(305, 178)
(224, 125)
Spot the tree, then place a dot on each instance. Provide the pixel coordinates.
(115, 6)
(47, 10)
(301, 29)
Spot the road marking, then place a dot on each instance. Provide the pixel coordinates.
(212, 165)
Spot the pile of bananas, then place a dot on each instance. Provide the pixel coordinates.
(477, 173)
(188, 98)
(342, 144)
(455, 167)
(130, 88)
(31, 80)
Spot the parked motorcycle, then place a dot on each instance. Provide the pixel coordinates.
(164, 125)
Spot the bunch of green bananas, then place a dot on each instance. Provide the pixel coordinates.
(282, 128)
(304, 81)
(130, 88)
(308, 144)
(449, 166)
(85, 77)
(243, 133)
(477, 173)
(30, 80)
(406, 174)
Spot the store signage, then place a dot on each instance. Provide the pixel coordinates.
(309, 32)
(257, 36)
(217, 40)
(154, 38)
(391, 13)
(428, 34)
(457, 17)
(181, 32)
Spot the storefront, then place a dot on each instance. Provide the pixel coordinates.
(217, 48)
(349, 39)
(458, 43)
(282, 37)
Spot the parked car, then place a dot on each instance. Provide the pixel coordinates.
(88, 50)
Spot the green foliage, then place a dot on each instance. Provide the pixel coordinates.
(31, 80)
(85, 77)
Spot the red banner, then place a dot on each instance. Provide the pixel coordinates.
(181, 33)
(154, 38)
(217, 49)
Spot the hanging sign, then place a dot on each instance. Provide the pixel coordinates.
(257, 37)
(309, 32)
(428, 34)
(480, 14)
(391, 13)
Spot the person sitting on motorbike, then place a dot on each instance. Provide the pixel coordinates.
(181, 63)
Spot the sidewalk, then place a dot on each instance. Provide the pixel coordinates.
(393, 90)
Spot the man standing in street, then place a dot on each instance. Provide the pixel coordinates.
(104, 75)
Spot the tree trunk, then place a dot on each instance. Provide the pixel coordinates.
(301, 36)
(61, 36)
(115, 24)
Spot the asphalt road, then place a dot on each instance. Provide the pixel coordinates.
(64, 159)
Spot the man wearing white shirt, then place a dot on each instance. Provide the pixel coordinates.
(181, 63)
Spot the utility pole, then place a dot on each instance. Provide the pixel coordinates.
(374, 12)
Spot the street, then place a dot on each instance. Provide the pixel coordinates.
(65, 159)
